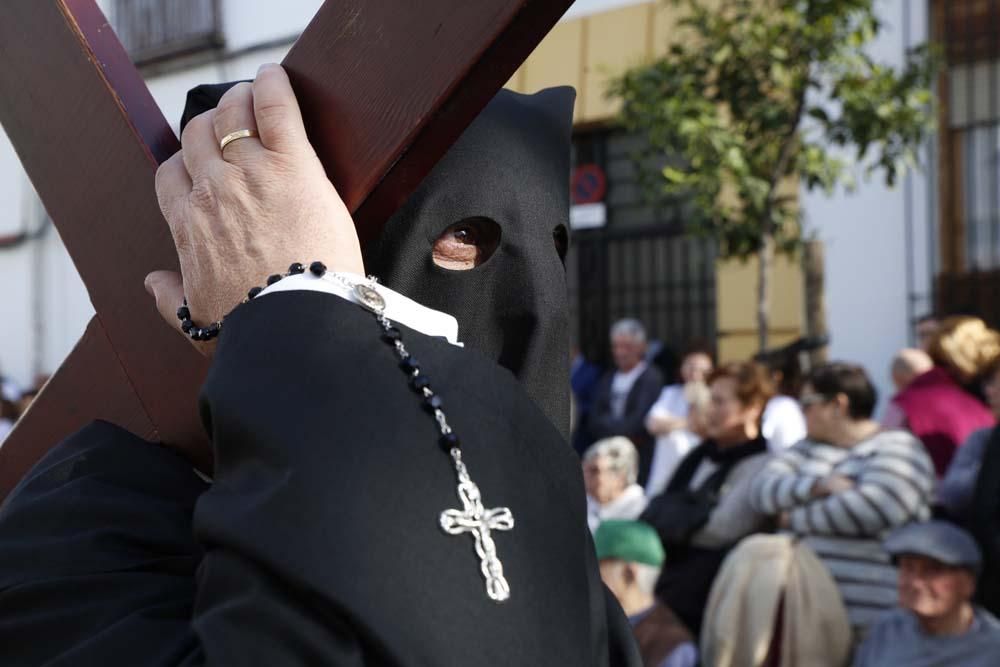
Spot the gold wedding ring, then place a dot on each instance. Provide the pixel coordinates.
(236, 136)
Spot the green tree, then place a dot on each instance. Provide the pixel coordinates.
(757, 95)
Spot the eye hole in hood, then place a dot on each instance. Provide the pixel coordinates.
(466, 244)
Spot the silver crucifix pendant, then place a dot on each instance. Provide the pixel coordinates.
(479, 521)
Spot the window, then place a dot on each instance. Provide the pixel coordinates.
(156, 30)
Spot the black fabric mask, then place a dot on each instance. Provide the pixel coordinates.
(509, 168)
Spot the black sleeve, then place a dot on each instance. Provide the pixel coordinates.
(320, 550)
(282, 402)
(317, 543)
(97, 558)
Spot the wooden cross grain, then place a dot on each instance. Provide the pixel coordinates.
(385, 88)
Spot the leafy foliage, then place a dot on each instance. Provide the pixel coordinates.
(754, 94)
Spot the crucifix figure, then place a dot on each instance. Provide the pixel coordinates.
(474, 518)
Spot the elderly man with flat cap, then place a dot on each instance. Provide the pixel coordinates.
(937, 624)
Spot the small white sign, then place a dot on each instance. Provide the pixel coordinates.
(588, 216)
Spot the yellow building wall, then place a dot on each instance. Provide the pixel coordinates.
(736, 306)
(586, 53)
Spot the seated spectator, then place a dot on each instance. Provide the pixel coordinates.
(846, 485)
(671, 408)
(625, 394)
(584, 376)
(783, 423)
(630, 557)
(936, 625)
(908, 365)
(705, 509)
(675, 445)
(956, 491)
(936, 406)
(609, 474)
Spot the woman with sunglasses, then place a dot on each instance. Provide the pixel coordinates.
(846, 485)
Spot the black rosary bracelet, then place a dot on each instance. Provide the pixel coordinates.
(209, 332)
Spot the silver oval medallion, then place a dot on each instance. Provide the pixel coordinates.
(369, 298)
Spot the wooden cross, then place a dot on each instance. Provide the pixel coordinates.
(385, 88)
(478, 521)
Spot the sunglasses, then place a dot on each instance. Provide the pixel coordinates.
(807, 400)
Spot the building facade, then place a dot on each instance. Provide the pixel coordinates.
(882, 246)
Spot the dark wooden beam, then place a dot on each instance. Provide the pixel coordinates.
(91, 384)
(385, 87)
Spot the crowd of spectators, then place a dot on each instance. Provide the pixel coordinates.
(786, 525)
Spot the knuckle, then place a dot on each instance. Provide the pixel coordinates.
(238, 95)
(160, 178)
(229, 118)
(196, 125)
(271, 113)
(204, 197)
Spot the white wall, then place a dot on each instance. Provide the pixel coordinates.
(865, 238)
(45, 306)
(585, 7)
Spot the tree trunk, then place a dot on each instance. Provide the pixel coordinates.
(765, 260)
(814, 272)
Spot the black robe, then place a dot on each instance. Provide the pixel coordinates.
(318, 542)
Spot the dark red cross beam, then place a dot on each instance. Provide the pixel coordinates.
(386, 88)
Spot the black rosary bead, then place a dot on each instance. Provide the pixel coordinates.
(391, 335)
(187, 325)
(296, 268)
(317, 269)
(420, 382)
(409, 365)
(450, 441)
(275, 278)
(433, 402)
(183, 313)
(254, 292)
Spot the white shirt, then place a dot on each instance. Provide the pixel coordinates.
(783, 423)
(670, 451)
(621, 385)
(671, 403)
(398, 308)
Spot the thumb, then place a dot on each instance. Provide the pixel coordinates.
(168, 290)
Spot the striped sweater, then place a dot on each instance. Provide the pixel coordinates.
(893, 484)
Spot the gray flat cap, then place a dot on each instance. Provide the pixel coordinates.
(940, 540)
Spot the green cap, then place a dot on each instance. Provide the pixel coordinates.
(630, 541)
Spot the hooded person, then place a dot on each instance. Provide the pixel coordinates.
(495, 192)
(330, 533)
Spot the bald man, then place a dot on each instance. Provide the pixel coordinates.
(909, 364)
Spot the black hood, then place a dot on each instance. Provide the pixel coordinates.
(511, 166)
